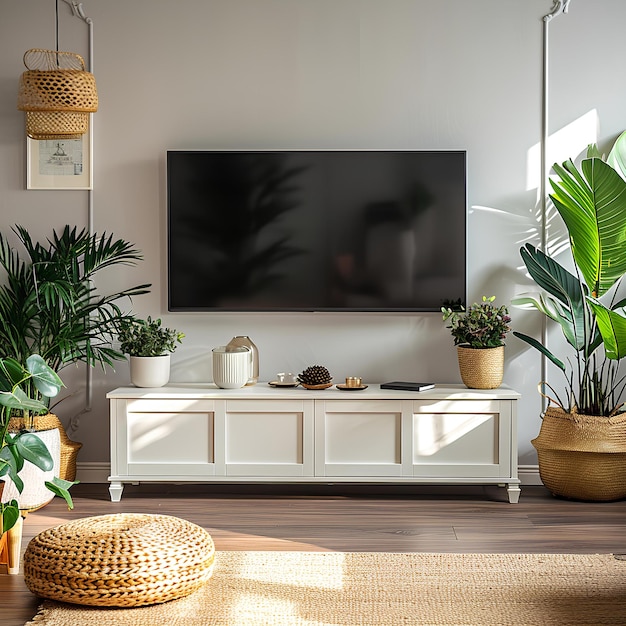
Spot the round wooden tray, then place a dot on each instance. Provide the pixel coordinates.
(324, 386)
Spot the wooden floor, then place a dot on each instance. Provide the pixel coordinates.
(347, 518)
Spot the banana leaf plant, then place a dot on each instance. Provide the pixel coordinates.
(586, 303)
(25, 446)
(49, 302)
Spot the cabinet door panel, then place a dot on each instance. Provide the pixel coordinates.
(358, 438)
(371, 438)
(455, 438)
(460, 439)
(265, 438)
(168, 438)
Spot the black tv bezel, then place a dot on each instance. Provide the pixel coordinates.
(335, 310)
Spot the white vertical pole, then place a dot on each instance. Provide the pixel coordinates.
(77, 10)
(558, 7)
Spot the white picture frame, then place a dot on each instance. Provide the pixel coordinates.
(60, 163)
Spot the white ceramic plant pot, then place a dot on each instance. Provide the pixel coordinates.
(35, 493)
(150, 371)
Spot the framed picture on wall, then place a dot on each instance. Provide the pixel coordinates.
(59, 163)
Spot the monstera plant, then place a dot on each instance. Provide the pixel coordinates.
(588, 306)
(16, 448)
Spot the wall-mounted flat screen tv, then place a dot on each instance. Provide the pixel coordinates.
(316, 230)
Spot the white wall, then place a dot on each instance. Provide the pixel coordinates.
(406, 74)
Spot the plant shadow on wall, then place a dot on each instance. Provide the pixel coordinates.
(239, 256)
(384, 262)
(582, 442)
(49, 304)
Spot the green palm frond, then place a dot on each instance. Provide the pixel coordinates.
(49, 304)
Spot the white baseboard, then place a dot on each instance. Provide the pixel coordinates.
(93, 472)
(529, 475)
(99, 473)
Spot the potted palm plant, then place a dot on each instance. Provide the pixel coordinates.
(49, 304)
(149, 346)
(581, 445)
(24, 446)
(479, 333)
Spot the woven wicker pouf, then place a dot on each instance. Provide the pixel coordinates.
(122, 560)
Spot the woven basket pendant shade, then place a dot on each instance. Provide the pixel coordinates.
(57, 94)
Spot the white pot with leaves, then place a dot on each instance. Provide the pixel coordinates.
(26, 464)
(149, 346)
(479, 334)
(581, 446)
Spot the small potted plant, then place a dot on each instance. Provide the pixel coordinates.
(479, 335)
(149, 346)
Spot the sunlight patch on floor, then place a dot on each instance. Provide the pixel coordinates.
(298, 573)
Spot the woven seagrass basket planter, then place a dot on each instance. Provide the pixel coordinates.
(582, 457)
(481, 368)
(69, 448)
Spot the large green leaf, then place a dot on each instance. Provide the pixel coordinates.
(19, 400)
(61, 487)
(592, 203)
(10, 514)
(566, 288)
(33, 449)
(612, 326)
(12, 462)
(7, 460)
(46, 380)
(617, 156)
(539, 346)
(13, 373)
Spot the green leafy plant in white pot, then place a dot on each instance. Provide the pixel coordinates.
(25, 459)
(149, 346)
(582, 441)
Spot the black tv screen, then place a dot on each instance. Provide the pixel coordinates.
(316, 230)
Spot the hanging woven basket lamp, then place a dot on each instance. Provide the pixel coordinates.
(57, 94)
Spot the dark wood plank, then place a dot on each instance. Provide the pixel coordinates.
(346, 518)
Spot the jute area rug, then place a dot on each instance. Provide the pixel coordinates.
(382, 589)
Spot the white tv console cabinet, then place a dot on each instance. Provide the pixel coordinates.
(199, 433)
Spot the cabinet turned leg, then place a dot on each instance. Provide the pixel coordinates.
(116, 489)
(514, 493)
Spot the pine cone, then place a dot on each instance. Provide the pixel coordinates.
(315, 375)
